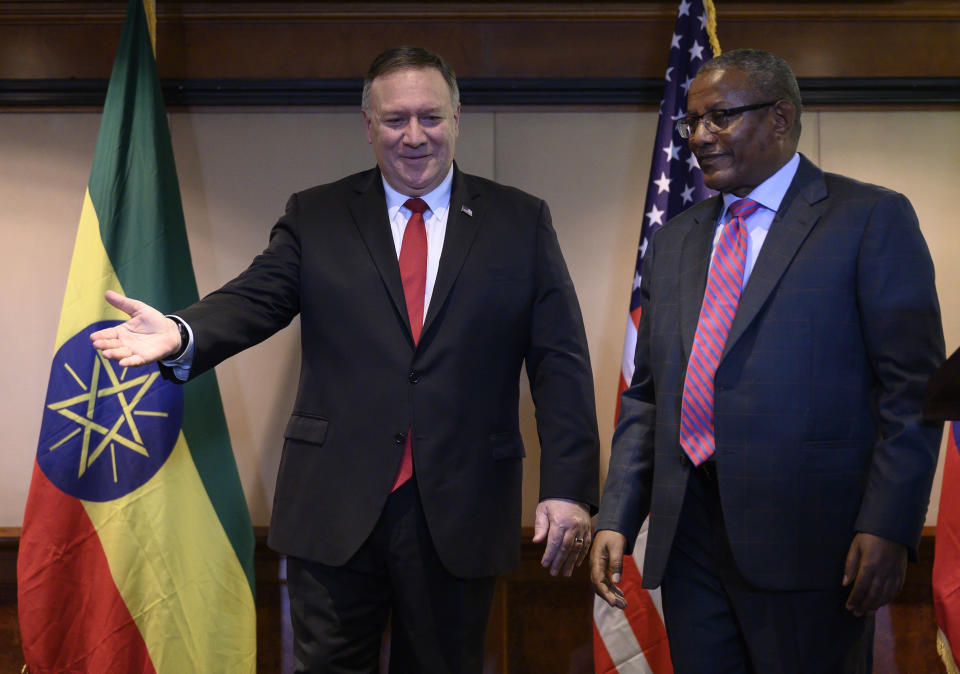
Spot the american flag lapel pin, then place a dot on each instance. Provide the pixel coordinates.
(464, 209)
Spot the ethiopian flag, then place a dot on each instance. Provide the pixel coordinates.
(137, 552)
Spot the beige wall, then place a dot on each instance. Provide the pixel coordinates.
(237, 167)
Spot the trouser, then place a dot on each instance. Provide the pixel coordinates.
(717, 622)
(339, 614)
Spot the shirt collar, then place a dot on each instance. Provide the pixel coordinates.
(771, 191)
(436, 199)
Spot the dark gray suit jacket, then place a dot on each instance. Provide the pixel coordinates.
(503, 298)
(817, 395)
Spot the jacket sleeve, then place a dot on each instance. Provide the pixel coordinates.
(561, 380)
(626, 493)
(900, 322)
(263, 299)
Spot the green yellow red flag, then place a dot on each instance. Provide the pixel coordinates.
(136, 553)
(946, 557)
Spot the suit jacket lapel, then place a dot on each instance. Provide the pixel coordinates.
(694, 263)
(369, 209)
(798, 213)
(463, 221)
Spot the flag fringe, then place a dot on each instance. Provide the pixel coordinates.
(712, 27)
(943, 650)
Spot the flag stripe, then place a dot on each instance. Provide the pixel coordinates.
(632, 641)
(622, 652)
(84, 588)
(171, 582)
(602, 662)
(133, 180)
(134, 190)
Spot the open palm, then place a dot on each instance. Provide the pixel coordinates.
(147, 337)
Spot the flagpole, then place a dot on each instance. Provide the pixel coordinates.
(712, 26)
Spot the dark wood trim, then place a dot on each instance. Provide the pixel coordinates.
(321, 39)
(880, 91)
(9, 544)
(590, 92)
(114, 10)
(538, 623)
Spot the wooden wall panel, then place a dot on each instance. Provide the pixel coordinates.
(322, 39)
(537, 623)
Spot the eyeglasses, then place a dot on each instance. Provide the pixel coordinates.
(714, 121)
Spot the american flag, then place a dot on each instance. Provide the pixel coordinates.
(634, 640)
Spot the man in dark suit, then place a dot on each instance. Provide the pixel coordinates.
(421, 292)
(772, 429)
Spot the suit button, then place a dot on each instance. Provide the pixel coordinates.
(400, 438)
(414, 377)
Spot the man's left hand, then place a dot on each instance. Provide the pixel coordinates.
(876, 566)
(565, 526)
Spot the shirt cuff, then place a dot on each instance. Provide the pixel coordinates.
(180, 366)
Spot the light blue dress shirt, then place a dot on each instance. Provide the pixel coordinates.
(769, 194)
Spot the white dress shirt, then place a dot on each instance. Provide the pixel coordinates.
(435, 220)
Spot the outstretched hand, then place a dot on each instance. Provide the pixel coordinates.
(147, 337)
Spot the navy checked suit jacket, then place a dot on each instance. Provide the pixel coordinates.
(817, 395)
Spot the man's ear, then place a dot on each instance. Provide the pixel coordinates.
(367, 121)
(784, 117)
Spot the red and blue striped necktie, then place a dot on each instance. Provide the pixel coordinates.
(720, 302)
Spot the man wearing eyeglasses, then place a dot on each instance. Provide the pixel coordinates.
(772, 429)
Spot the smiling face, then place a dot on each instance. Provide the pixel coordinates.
(412, 125)
(755, 143)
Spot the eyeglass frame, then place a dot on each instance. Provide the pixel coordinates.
(684, 123)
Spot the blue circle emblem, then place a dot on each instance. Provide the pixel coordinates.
(106, 429)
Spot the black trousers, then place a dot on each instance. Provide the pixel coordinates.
(717, 622)
(437, 621)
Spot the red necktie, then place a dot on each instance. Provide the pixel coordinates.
(413, 273)
(720, 302)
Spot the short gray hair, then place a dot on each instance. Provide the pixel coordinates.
(767, 74)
